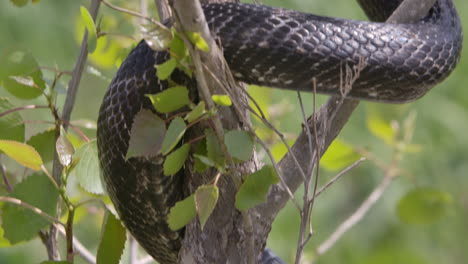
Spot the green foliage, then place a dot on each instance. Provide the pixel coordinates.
(164, 70)
(239, 144)
(196, 112)
(255, 188)
(112, 241)
(174, 134)
(87, 170)
(198, 41)
(170, 100)
(222, 100)
(20, 74)
(424, 206)
(22, 153)
(175, 161)
(206, 198)
(182, 213)
(11, 125)
(147, 135)
(21, 224)
(214, 151)
(44, 143)
(91, 27)
(338, 156)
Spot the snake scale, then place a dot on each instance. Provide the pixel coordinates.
(272, 47)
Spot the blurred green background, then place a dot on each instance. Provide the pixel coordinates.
(51, 31)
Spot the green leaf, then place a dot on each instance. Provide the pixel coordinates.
(157, 37)
(170, 99)
(213, 148)
(423, 206)
(338, 156)
(239, 144)
(20, 74)
(379, 127)
(91, 27)
(147, 135)
(177, 47)
(21, 153)
(198, 41)
(19, 3)
(11, 125)
(175, 161)
(206, 197)
(164, 70)
(196, 113)
(182, 213)
(204, 160)
(255, 188)
(112, 241)
(87, 170)
(200, 151)
(174, 133)
(221, 99)
(65, 149)
(3, 241)
(44, 144)
(21, 224)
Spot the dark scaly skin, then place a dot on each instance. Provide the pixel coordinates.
(272, 47)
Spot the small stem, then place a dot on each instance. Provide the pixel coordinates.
(26, 107)
(69, 234)
(8, 186)
(32, 208)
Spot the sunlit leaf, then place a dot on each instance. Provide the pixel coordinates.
(222, 100)
(87, 170)
(20, 74)
(170, 99)
(255, 188)
(165, 69)
(379, 127)
(91, 27)
(175, 161)
(198, 41)
(177, 47)
(206, 197)
(338, 156)
(239, 144)
(182, 213)
(196, 112)
(175, 131)
(147, 135)
(21, 153)
(64, 148)
(112, 241)
(278, 150)
(22, 224)
(11, 125)
(19, 3)
(3, 241)
(424, 205)
(262, 97)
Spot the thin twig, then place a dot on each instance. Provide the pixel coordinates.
(359, 214)
(79, 247)
(20, 108)
(338, 176)
(8, 186)
(36, 210)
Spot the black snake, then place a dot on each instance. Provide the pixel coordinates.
(277, 48)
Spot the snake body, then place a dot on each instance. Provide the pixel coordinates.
(271, 47)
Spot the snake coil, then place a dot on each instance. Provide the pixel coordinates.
(277, 48)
